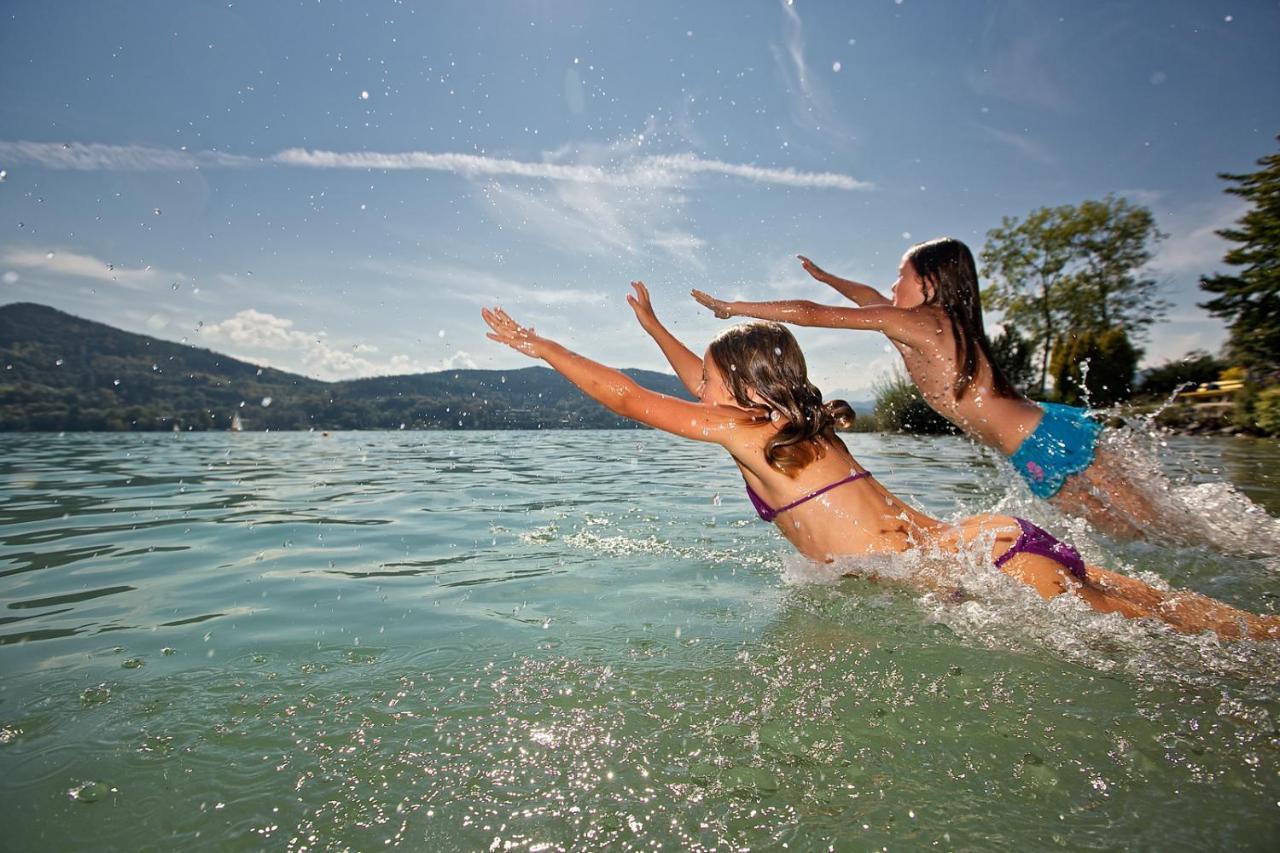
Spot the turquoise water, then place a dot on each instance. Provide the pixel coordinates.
(563, 640)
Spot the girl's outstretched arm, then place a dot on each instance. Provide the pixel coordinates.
(683, 360)
(618, 392)
(863, 294)
(905, 325)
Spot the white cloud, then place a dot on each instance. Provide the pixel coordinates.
(654, 170)
(460, 360)
(591, 199)
(680, 246)
(67, 263)
(94, 156)
(311, 353)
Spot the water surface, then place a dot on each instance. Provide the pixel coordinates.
(568, 639)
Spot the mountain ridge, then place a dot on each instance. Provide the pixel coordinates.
(63, 372)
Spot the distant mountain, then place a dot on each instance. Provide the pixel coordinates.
(61, 372)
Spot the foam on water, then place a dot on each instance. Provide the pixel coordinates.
(1215, 513)
(965, 592)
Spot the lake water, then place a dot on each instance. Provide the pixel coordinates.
(559, 640)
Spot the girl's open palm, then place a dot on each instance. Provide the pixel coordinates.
(813, 269)
(641, 305)
(507, 331)
(718, 306)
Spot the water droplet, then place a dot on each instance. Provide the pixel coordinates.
(3, 175)
(266, 401)
(364, 95)
(155, 211)
(10, 277)
(48, 256)
(173, 286)
(836, 66)
(906, 235)
(115, 381)
(58, 363)
(1229, 18)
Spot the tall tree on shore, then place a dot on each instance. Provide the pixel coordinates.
(1067, 270)
(1250, 299)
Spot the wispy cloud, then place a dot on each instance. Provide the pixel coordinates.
(1193, 246)
(66, 263)
(94, 156)
(1015, 58)
(480, 287)
(647, 171)
(1023, 144)
(680, 246)
(811, 105)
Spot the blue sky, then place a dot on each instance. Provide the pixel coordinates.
(336, 188)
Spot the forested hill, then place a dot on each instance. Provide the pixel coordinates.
(59, 372)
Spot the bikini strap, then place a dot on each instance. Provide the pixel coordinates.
(851, 478)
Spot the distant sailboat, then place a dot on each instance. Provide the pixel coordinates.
(235, 423)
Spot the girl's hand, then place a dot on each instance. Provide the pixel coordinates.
(718, 306)
(814, 270)
(509, 332)
(642, 306)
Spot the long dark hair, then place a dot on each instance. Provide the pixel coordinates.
(764, 359)
(950, 276)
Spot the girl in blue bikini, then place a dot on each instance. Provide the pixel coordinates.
(755, 400)
(934, 319)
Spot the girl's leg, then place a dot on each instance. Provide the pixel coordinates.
(1109, 500)
(1184, 610)
(1109, 592)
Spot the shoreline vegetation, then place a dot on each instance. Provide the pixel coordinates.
(65, 374)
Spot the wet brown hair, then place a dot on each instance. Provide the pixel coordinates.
(950, 276)
(765, 372)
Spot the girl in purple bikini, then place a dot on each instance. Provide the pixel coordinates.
(755, 400)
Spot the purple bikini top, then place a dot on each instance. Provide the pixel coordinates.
(768, 513)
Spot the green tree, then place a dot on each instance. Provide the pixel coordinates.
(1066, 270)
(1015, 356)
(1095, 367)
(1250, 299)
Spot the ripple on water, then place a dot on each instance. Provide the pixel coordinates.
(579, 652)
